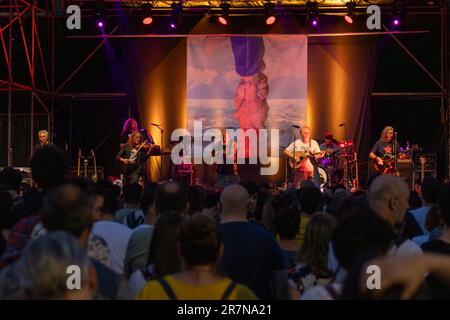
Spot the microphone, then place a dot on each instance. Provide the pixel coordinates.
(295, 126)
(155, 124)
(342, 124)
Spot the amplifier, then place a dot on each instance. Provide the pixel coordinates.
(430, 161)
(90, 172)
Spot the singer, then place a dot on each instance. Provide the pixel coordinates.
(383, 153)
(301, 152)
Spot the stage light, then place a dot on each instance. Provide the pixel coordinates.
(175, 19)
(224, 16)
(147, 16)
(398, 11)
(269, 13)
(350, 16)
(312, 13)
(99, 16)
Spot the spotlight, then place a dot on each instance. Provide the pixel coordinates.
(398, 11)
(224, 17)
(350, 16)
(147, 16)
(312, 13)
(269, 13)
(99, 16)
(175, 19)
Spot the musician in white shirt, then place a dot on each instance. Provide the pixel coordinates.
(306, 146)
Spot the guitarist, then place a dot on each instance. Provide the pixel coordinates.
(133, 156)
(307, 146)
(383, 152)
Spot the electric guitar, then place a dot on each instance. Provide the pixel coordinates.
(299, 158)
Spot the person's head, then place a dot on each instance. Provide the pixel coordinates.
(196, 199)
(43, 136)
(68, 208)
(131, 194)
(360, 232)
(389, 197)
(414, 200)
(10, 178)
(328, 138)
(444, 204)
(234, 201)
(105, 204)
(314, 251)
(130, 125)
(253, 192)
(48, 166)
(6, 203)
(387, 134)
(171, 196)
(200, 242)
(147, 201)
(287, 223)
(429, 190)
(273, 206)
(310, 199)
(163, 249)
(136, 138)
(45, 264)
(305, 133)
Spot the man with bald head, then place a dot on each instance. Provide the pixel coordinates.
(251, 254)
(389, 197)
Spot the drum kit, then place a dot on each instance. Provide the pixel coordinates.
(339, 166)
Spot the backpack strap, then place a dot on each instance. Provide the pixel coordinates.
(131, 220)
(167, 289)
(333, 293)
(228, 290)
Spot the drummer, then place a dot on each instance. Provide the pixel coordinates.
(329, 146)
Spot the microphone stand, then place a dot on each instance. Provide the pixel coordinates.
(395, 152)
(291, 135)
(161, 130)
(345, 156)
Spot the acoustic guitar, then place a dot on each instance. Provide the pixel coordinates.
(386, 167)
(299, 158)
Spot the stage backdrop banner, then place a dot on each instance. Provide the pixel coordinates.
(247, 82)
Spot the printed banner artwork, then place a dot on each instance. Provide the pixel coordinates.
(247, 82)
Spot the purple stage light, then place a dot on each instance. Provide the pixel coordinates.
(173, 25)
(396, 22)
(100, 24)
(314, 22)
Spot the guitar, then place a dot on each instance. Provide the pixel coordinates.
(386, 167)
(422, 160)
(299, 158)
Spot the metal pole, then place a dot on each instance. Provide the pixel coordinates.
(52, 66)
(10, 150)
(32, 80)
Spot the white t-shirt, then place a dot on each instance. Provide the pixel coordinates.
(299, 145)
(116, 236)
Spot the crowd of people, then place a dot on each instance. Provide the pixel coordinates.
(246, 242)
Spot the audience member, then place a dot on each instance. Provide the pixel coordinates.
(200, 248)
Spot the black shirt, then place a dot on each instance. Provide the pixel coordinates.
(439, 287)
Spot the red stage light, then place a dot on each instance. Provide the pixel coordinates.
(147, 20)
(348, 19)
(223, 20)
(270, 20)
